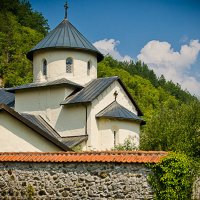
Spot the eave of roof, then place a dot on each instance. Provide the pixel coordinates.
(94, 89)
(117, 111)
(7, 98)
(32, 124)
(72, 141)
(91, 91)
(85, 157)
(65, 36)
(55, 83)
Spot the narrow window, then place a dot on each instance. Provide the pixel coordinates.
(88, 67)
(44, 67)
(69, 65)
(115, 138)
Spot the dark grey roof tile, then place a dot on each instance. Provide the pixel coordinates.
(94, 89)
(37, 124)
(65, 35)
(69, 142)
(7, 98)
(62, 81)
(91, 91)
(117, 111)
(41, 123)
(73, 141)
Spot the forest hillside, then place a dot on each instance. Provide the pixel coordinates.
(20, 29)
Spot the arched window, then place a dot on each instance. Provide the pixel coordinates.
(44, 67)
(69, 65)
(115, 130)
(115, 138)
(88, 67)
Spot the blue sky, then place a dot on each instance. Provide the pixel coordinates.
(163, 33)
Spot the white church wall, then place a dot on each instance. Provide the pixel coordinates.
(70, 121)
(16, 137)
(41, 100)
(66, 120)
(56, 65)
(123, 130)
(100, 103)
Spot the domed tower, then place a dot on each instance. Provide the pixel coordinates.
(64, 53)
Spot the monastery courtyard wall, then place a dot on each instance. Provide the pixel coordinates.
(74, 181)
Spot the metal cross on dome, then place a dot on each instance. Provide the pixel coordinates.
(66, 7)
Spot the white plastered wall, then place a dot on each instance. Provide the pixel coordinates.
(67, 121)
(96, 129)
(56, 65)
(16, 137)
(41, 100)
(123, 129)
(71, 121)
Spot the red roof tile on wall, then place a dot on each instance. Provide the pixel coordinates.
(103, 156)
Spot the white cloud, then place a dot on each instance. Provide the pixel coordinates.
(174, 65)
(109, 47)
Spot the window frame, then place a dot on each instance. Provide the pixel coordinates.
(89, 66)
(44, 67)
(115, 138)
(69, 67)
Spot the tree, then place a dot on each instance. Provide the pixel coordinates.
(24, 14)
(15, 42)
(17, 37)
(176, 129)
(173, 178)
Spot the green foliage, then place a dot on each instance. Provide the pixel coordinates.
(128, 145)
(15, 42)
(172, 178)
(16, 39)
(176, 129)
(77, 148)
(25, 15)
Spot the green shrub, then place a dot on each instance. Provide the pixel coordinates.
(172, 178)
(128, 145)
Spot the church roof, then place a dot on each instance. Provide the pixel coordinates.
(39, 125)
(69, 141)
(117, 111)
(58, 82)
(91, 91)
(72, 141)
(65, 36)
(7, 98)
(94, 89)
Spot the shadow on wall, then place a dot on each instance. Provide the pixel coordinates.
(71, 120)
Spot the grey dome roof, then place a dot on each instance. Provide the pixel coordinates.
(65, 36)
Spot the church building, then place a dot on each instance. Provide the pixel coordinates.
(67, 106)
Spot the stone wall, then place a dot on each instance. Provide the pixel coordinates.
(74, 181)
